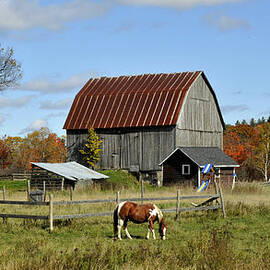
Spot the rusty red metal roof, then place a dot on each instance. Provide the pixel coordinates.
(130, 101)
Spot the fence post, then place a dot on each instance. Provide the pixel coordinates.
(28, 190)
(142, 195)
(4, 193)
(44, 191)
(117, 197)
(62, 184)
(177, 204)
(70, 192)
(222, 202)
(51, 213)
(216, 186)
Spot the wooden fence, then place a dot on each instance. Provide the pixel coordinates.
(178, 198)
(21, 176)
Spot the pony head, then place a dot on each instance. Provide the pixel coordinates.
(162, 229)
(162, 226)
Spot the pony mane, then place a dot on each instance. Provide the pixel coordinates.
(160, 215)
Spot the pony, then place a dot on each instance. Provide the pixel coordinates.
(138, 213)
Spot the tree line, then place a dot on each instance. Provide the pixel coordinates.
(249, 146)
(42, 145)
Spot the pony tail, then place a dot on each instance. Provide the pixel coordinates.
(115, 220)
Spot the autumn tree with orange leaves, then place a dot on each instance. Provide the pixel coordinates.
(249, 146)
(38, 146)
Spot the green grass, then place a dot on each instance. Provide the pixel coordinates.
(198, 240)
(13, 185)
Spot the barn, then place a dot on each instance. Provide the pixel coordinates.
(142, 119)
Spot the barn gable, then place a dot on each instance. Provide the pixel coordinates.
(141, 119)
(200, 122)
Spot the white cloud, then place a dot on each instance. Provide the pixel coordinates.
(58, 105)
(49, 85)
(225, 23)
(234, 108)
(182, 4)
(36, 125)
(27, 14)
(16, 102)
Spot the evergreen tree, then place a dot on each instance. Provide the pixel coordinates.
(252, 122)
(92, 148)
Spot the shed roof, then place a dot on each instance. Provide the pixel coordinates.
(131, 101)
(71, 170)
(205, 155)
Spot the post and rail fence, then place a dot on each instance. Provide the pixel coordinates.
(178, 198)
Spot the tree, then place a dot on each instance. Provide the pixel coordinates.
(252, 122)
(10, 70)
(8, 149)
(4, 154)
(92, 148)
(38, 146)
(262, 150)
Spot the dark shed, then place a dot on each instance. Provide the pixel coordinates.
(184, 165)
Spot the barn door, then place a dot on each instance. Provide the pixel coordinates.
(115, 161)
(130, 150)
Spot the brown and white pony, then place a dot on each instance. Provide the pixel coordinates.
(138, 213)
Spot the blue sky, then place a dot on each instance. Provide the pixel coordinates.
(61, 44)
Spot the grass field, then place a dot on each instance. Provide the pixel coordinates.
(202, 240)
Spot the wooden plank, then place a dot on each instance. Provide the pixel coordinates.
(172, 198)
(83, 215)
(202, 208)
(24, 203)
(177, 204)
(207, 201)
(149, 199)
(83, 202)
(136, 199)
(51, 213)
(222, 202)
(22, 216)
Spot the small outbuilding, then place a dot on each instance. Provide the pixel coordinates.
(184, 165)
(57, 176)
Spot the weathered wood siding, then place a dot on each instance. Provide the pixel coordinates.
(199, 123)
(131, 149)
(136, 149)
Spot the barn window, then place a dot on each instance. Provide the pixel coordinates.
(185, 169)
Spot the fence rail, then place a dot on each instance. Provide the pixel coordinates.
(5, 216)
(21, 176)
(51, 203)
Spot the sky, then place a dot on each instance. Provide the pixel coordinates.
(61, 44)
